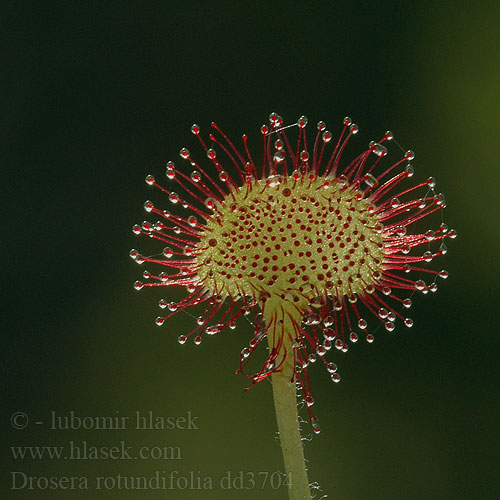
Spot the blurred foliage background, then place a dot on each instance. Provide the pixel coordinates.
(94, 97)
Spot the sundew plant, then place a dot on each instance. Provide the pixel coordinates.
(315, 248)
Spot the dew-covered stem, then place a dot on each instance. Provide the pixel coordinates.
(280, 336)
(285, 403)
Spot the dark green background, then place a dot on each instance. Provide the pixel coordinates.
(94, 98)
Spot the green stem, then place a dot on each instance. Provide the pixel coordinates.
(285, 403)
(281, 321)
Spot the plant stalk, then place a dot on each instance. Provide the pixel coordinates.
(285, 403)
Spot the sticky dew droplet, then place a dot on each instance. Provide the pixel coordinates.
(427, 256)
(331, 367)
(362, 323)
(173, 198)
(329, 334)
(327, 136)
(168, 252)
(420, 285)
